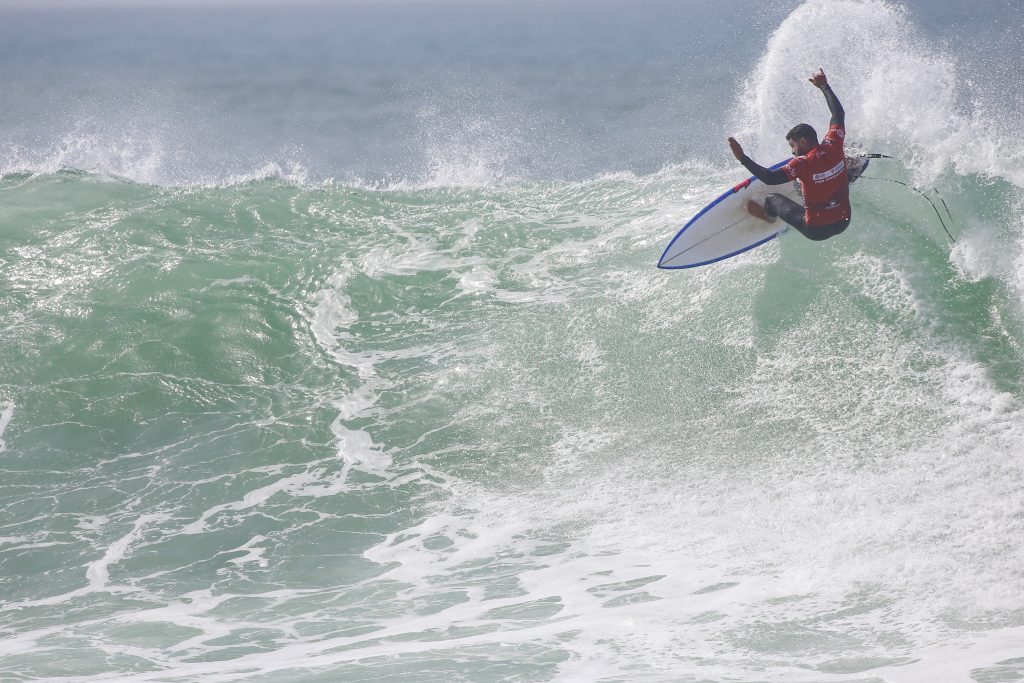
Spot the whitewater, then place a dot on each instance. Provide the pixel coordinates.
(366, 372)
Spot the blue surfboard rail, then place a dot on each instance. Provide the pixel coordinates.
(728, 193)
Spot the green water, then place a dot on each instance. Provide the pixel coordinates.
(269, 428)
(261, 420)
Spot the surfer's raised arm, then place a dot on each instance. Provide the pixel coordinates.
(765, 175)
(838, 113)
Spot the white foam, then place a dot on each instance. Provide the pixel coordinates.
(254, 553)
(977, 256)
(1016, 277)
(332, 315)
(6, 415)
(92, 522)
(13, 539)
(885, 282)
(478, 280)
(879, 521)
(97, 572)
(290, 484)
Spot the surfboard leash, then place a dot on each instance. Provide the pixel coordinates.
(920, 192)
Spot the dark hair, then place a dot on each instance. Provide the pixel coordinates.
(802, 130)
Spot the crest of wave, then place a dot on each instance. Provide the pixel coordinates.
(476, 159)
(126, 154)
(902, 96)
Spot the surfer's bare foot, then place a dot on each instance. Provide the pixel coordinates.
(757, 211)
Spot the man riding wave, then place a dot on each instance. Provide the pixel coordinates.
(821, 170)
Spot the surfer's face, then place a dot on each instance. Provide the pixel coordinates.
(800, 146)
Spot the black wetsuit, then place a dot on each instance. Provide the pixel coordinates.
(784, 207)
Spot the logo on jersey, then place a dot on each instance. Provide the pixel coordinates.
(825, 176)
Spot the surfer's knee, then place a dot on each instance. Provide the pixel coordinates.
(771, 204)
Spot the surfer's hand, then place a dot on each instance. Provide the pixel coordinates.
(737, 149)
(818, 79)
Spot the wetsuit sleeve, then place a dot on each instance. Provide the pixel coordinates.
(838, 113)
(765, 175)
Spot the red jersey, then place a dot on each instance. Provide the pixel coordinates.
(823, 180)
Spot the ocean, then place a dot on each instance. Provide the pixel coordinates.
(332, 345)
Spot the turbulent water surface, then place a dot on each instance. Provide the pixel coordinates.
(333, 347)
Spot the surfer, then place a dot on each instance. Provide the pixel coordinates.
(821, 170)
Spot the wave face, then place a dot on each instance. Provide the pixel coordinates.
(447, 421)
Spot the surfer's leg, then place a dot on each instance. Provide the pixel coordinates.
(793, 213)
(825, 231)
(781, 206)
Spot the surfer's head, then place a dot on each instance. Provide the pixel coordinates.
(802, 139)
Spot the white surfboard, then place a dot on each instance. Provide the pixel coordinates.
(724, 228)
